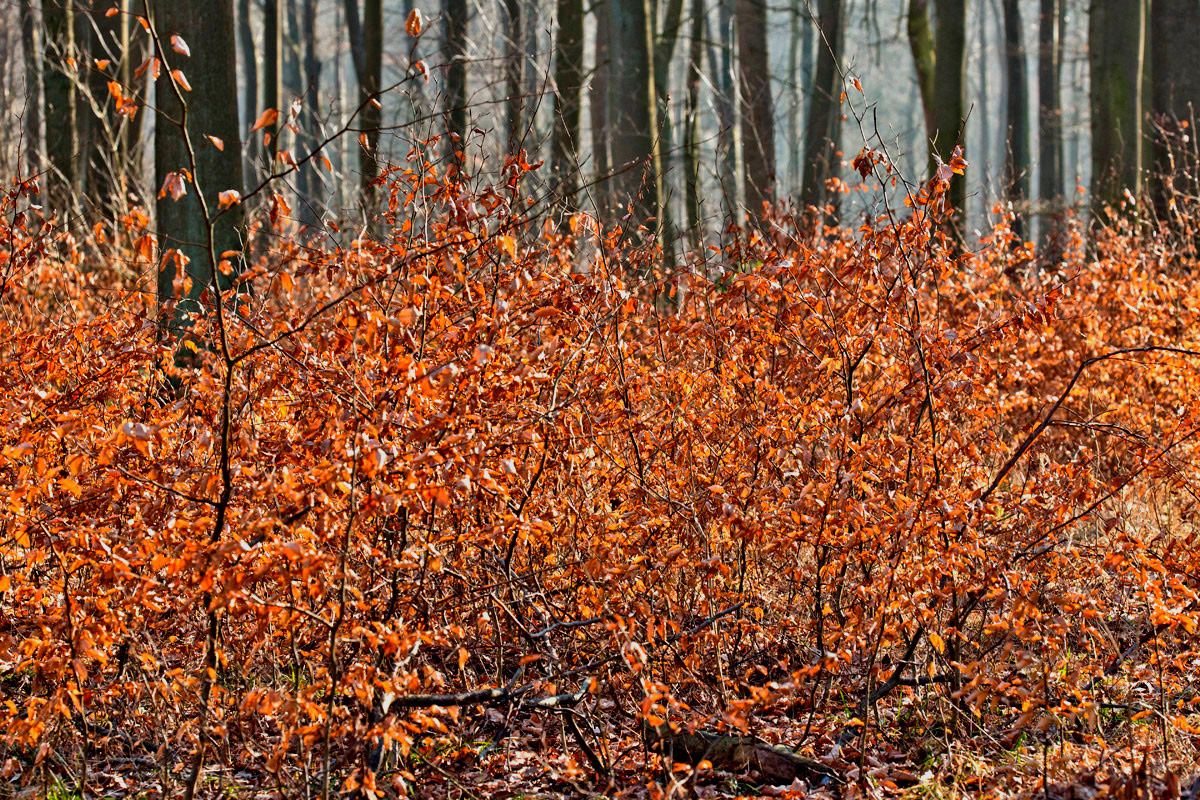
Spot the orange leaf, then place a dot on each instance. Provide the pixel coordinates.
(229, 197)
(414, 23)
(217, 143)
(179, 45)
(181, 79)
(268, 117)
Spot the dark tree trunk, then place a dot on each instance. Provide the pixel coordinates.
(824, 111)
(1016, 106)
(720, 60)
(249, 54)
(1116, 34)
(920, 42)
(514, 73)
(61, 106)
(568, 82)
(366, 45)
(949, 90)
(456, 77)
(1175, 99)
(272, 72)
(1050, 142)
(33, 105)
(757, 107)
(310, 120)
(631, 108)
(183, 226)
(691, 126)
(599, 108)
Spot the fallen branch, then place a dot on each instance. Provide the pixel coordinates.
(778, 764)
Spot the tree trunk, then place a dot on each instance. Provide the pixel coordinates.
(824, 112)
(61, 105)
(32, 105)
(721, 64)
(182, 224)
(514, 72)
(272, 73)
(663, 44)
(1050, 143)
(598, 103)
(757, 108)
(631, 108)
(134, 50)
(949, 91)
(691, 126)
(456, 78)
(366, 45)
(310, 119)
(799, 62)
(920, 42)
(1175, 98)
(249, 54)
(99, 124)
(1016, 107)
(1116, 35)
(568, 98)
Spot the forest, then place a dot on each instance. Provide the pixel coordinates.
(634, 398)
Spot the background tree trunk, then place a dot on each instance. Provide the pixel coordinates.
(631, 108)
(272, 73)
(61, 106)
(598, 105)
(1175, 97)
(366, 45)
(949, 89)
(1050, 142)
(514, 73)
(32, 131)
(1016, 106)
(1116, 33)
(249, 55)
(757, 108)
(920, 42)
(691, 127)
(824, 110)
(212, 72)
(456, 76)
(568, 98)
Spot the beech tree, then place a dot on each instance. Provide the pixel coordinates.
(1116, 42)
(1017, 178)
(757, 107)
(824, 110)
(196, 46)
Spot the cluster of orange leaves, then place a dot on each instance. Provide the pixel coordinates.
(485, 453)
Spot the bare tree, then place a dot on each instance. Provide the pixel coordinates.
(1116, 41)
(824, 112)
(1016, 105)
(757, 107)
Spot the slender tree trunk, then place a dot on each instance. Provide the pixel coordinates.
(949, 90)
(720, 59)
(1175, 99)
(920, 42)
(824, 111)
(99, 125)
(799, 63)
(514, 72)
(366, 45)
(456, 77)
(568, 98)
(1016, 157)
(311, 187)
(134, 49)
(1050, 142)
(631, 109)
(273, 72)
(757, 107)
(32, 110)
(212, 72)
(691, 129)
(249, 54)
(663, 54)
(985, 121)
(61, 105)
(1116, 35)
(598, 96)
